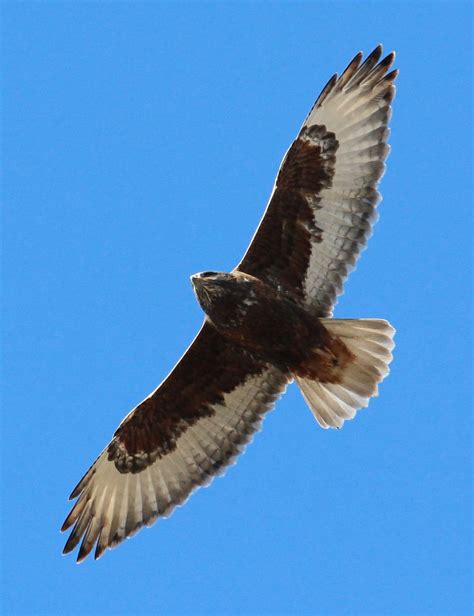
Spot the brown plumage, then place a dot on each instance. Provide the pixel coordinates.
(267, 323)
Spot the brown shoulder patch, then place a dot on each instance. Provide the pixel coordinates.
(209, 369)
(280, 251)
(309, 164)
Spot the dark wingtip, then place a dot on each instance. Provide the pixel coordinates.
(82, 555)
(99, 551)
(72, 541)
(374, 55)
(68, 547)
(65, 525)
(77, 490)
(388, 60)
(392, 75)
(325, 91)
(330, 82)
(99, 547)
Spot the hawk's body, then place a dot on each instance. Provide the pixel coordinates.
(254, 315)
(267, 323)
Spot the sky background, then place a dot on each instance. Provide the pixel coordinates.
(140, 144)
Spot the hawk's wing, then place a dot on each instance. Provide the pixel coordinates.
(184, 433)
(324, 200)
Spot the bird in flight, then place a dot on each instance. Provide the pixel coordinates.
(267, 323)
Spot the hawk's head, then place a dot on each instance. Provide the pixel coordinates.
(210, 287)
(222, 295)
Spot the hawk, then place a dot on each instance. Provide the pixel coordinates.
(267, 323)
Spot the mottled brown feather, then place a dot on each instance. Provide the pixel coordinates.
(280, 250)
(210, 368)
(323, 205)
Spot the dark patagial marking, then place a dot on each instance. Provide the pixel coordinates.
(209, 370)
(280, 251)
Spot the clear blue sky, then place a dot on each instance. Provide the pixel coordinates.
(141, 141)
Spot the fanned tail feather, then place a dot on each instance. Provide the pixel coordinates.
(370, 342)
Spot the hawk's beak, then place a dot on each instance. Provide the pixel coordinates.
(196, 280)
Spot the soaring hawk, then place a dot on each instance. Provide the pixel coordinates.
(267, 323)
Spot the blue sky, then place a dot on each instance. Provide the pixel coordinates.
(141, 141)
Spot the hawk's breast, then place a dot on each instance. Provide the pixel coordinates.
(269, 325)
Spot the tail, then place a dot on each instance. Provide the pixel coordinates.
(337, 396)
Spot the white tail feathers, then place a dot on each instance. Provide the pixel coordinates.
(370, 341)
